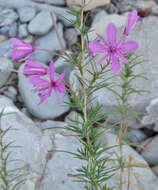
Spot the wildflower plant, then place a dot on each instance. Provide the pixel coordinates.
(119, 57)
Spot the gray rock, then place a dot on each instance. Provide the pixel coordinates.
(61, 65)
(150, 153)
(5, 30)
(57, 169)
(13, 30)
(23, 31)
(29, 39)
(50, 42)
(40, 6)
(135, 135)
(7, 17)
(150, 7)
(140, 177)
(36, 154)
(71, 36)
(41, 24)
(151, 115)
(11, 93)
(31, 99)
(74, 116)
(5, 70)
(53, 2)
(101, 14)
(2, 38)
(56, 126)
(5, 49)
(26, 14)
(32, 151)
(63, 13)
(155, 169)
(90, 4)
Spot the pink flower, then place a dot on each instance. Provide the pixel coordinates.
(45, 88)
(131, 21)
(113, 50)
(34, 68)
(21, 49)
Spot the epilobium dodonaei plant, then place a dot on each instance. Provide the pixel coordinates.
(95, 172)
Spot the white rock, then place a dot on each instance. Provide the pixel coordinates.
(26, 14)
(31, 99)
(42, 19)
(50, 42)
(90, 4)
(5, 70)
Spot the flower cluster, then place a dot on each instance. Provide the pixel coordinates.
(34, 71)
(114, 50)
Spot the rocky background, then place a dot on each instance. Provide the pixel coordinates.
(30, 21)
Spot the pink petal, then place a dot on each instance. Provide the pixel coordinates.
(16, 42)
(111, 33)
(43, 97)
(101, 38)
(61, 77)
(35, 64)
(51, 70)
(115, 65)
(123, 58)
(38, 82)
(34, 68)
(61, 87)
(58, 96)
(30, 71)
(121, 40)
(129, 46)
(96, 47)
(17, 55)
(132, 20)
